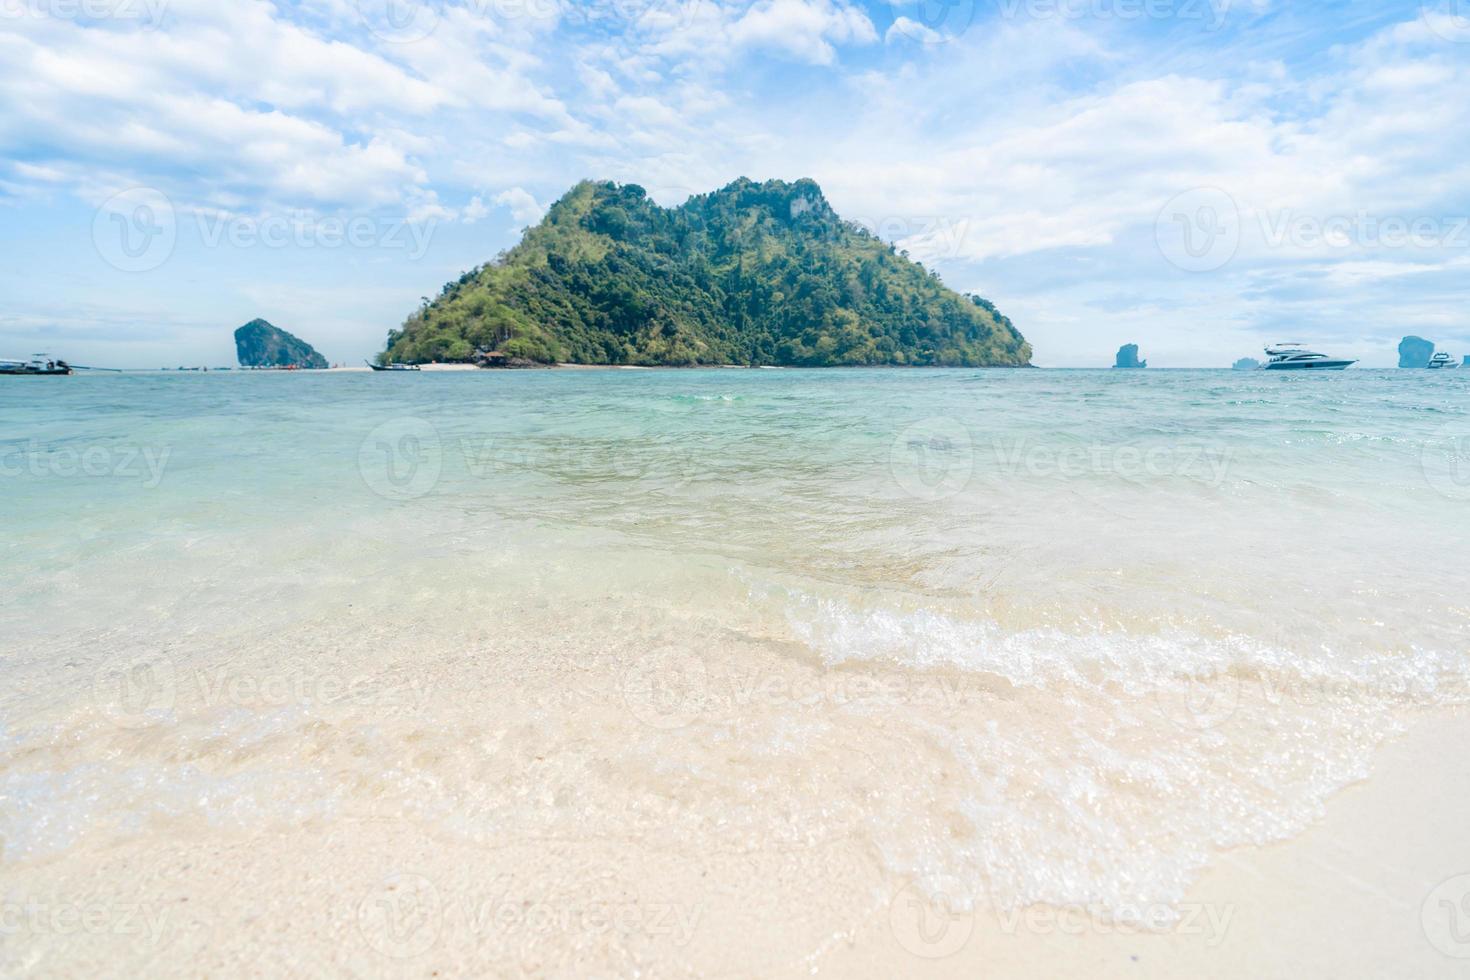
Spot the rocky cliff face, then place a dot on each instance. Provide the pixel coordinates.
(261, 344)
(1415, 352)
(1128, 357)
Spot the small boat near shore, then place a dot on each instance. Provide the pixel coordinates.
(392, 367)
(1295, 357)
(39, 366)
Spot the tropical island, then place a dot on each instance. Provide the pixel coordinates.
(753, 274)
(261, 344)
(1128, 359)
(1415, 352)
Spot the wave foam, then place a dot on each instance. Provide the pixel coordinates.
(1103, 770)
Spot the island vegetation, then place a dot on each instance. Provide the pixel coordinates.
(261, 344)
(752, 274)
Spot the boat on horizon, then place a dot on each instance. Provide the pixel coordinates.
(392, 367)
(1440, 361)
(1295, 357)
(39, 365)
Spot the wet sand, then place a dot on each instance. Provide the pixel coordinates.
(1355, 896)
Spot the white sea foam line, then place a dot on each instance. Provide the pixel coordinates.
(840, 633)
(925, 639)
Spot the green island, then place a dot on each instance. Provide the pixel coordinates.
(752, 274)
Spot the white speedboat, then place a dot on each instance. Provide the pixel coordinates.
(1295, 357)
(1440, 361)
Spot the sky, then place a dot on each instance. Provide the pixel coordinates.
(1200, 177)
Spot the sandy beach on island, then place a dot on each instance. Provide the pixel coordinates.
(348, 368)
(364, 369)
(1365, 892)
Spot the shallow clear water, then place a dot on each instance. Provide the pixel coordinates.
(1034, 636)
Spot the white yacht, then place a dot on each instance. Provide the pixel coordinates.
(1295, 357)
(1441, 360)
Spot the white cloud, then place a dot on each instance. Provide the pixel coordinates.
(908, 29)
(715, 32)
(474, 211)
(289, 119)
(1028, 157)
(524, 209)
(805, 29)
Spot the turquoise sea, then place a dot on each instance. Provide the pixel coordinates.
(1015, 636)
